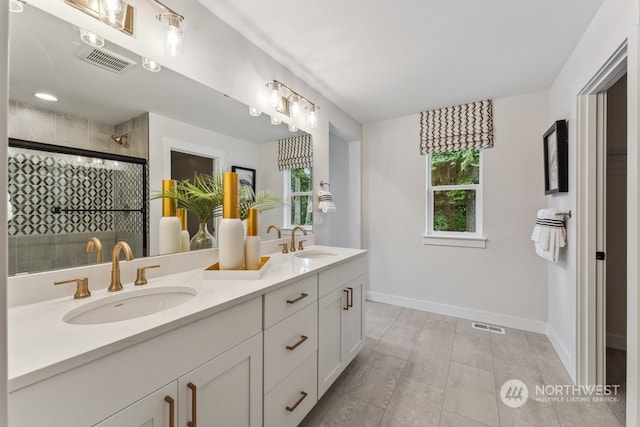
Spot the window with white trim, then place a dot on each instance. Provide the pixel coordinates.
(454, 194)
(298, 196)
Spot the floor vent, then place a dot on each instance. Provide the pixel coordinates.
(489, 328)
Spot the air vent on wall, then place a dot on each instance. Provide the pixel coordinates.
(106, 59)
(489, 328)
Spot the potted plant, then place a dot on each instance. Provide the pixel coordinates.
(203, 197)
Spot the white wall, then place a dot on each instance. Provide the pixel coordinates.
(504, 283)
(615, 22)
(4, 99)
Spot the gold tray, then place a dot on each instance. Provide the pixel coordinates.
(214, 272)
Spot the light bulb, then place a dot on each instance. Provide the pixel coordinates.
(313, 116)
(275, 93)
(173, 32)
(113, 12)
(275, 120)
(294, 106)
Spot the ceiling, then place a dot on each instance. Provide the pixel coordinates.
(378, 59)
(43, 56)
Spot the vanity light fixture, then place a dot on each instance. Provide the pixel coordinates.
(275, 120)
(254, 112)
(173, 28)
(92, 39)
(150, 65)
(290, 103)
(16, 6)
(45, 96)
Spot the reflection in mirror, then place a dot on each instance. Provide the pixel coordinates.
(95, 104)
(64, 198)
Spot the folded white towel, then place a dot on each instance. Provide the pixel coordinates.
(326, 201)
(549, 234)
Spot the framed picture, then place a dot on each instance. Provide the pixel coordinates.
(556, 158)
(246, 176)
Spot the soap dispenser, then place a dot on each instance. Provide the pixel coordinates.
(184, 233)
(230, 231)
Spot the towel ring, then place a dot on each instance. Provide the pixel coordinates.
(322, 184)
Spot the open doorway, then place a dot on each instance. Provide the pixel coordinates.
(615, 238)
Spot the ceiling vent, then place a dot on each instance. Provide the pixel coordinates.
(107, 60)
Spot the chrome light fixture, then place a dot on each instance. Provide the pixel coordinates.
(290, 103)
(90, 38)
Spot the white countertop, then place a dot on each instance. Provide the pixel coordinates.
(41, 344)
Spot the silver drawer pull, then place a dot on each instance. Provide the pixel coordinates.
(303, 338)
(293, 301)
(295, 405)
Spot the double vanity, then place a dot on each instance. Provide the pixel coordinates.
(185, 351)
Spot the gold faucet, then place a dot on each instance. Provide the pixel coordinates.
(115, 264)
(292, 247)
(94, 242)
(275, 227)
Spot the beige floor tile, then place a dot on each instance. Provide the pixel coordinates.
(428, 366)
(471, 393)
(374, 386)
(585, 414)
(413, 404)
(532, 413)
(411, 319)
(449, 419)
(473, 349)
(352, 412)
(398, 342)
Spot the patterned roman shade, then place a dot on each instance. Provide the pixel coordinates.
(295, 152)
(457, 128)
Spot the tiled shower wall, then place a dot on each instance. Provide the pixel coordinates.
(40, 240)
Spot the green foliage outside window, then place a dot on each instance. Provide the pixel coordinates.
(455, 210)
(301, 195)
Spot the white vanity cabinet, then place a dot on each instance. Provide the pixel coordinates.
(340, 320)
(290, 353)
(220, 354)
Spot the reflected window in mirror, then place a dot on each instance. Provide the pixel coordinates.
(299, 195)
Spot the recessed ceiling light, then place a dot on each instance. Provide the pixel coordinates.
(46, 97)
(90, 38)
(16, 6)
(150, 65)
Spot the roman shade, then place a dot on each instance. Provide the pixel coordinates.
(295, 152)
(462, 127)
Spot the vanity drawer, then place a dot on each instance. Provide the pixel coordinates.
(280, 408)
(331, 279)
(285, 301)
(289, 343)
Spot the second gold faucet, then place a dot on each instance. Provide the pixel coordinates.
(115, 284)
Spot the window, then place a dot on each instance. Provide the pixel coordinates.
(298, 195)
(454, 195)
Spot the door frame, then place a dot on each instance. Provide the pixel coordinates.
(590, 361)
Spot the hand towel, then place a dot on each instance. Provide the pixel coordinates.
(549, 234)
(9, 207)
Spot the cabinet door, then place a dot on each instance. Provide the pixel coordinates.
(354, 324)
(153, 410)
(227, 391)
(331, 330)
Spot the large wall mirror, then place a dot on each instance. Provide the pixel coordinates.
(108, 103)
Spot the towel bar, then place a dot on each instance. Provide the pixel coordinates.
(322, 184)
(564, 214)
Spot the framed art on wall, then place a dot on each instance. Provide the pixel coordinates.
(246, 176)
(556, 158)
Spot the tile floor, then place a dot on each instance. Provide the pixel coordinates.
(425, 369)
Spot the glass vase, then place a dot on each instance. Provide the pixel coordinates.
(202, 239)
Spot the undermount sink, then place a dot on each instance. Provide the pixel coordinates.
(314, 254)
(129, 305)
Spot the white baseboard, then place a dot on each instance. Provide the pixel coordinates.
(617, 341)
(563, 354)
(464, 313)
